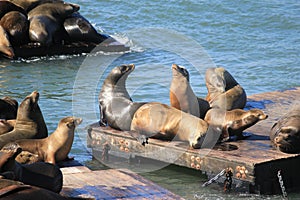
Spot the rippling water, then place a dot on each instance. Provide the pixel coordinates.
(256, 41)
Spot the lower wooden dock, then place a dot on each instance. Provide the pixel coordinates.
(82, 183)
(252, 161)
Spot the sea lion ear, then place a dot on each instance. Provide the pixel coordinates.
(72, 8)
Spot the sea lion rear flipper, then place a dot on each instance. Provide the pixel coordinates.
(139, 137)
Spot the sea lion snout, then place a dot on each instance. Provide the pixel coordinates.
(77, 121)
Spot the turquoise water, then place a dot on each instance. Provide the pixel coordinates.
(257, 42)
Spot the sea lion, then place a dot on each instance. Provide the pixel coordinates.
(161, 121)
(7, 6)
(182, 96)
(285, 133)
(6, 125)
(80, 29)
(223, 90)
(28, 5)
(39, 174)
(46, 22)
(16, 25)
(5, 45)
(8, 108)
(233, 122)
(19, 191)
(29, 122)
(116, 106)
(55, 147)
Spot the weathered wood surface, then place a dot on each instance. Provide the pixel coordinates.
(82, 183)
(252, 160)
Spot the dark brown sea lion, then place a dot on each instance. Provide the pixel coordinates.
(116, 106)
(28, 5)
(39, 174)
(285, 133)
(6, 125)
(18, 191)
(8, 108)
(80, 29)
(182, 96)
(29, 123)
(223, 90)
(46, 21)
(160, 121)
(233, 122)
(16, 25)
(55, 147)
(7, 6)
(5, 46)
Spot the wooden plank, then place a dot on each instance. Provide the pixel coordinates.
(248, 159)
(110, 184)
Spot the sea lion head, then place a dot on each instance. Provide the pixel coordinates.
(119, 75)
(258, 114)
(70, 122)
(288, 139)
(28, 106)
(180, 71)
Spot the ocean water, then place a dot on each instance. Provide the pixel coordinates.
(258, 42)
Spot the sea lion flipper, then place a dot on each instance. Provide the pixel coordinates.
(142, 139)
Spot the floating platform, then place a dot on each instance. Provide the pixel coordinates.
(109, 45)
(82, 183)
(253, 161)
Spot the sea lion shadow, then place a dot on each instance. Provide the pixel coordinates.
(257, 137)
(256, 104)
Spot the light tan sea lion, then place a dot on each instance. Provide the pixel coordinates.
(233, 122)
(182, 95)
(285, 133)
(55, 147)
(5, 45)
(161, 121)
(46, 22)
(223, 90)
(29, 123)
(16, 25)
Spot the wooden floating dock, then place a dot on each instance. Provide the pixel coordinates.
(252, 161)
(82, 183)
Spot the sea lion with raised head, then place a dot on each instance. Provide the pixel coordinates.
(161, 121)
(182, 95)
(46, 22)
(29, 122)
(116, 106)
(223, 90)
(16, 25)
(8, 108)
(285, 133)
(233, 122)
(55, 147)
